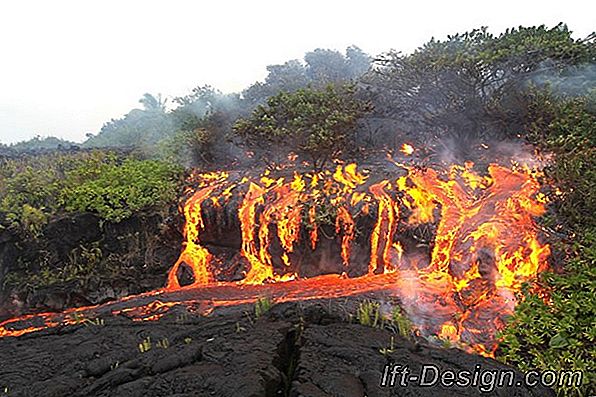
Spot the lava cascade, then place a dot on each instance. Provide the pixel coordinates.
(460, 285)
(484, 246)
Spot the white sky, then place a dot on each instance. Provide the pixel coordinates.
(67, 66)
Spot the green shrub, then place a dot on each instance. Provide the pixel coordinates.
(33, 219)
(119, 190)
(560, 334)
(402, 323)
(35, 188)
(318, 125)
(262, 306)
(565, 127)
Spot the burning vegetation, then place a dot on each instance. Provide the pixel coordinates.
(453, 246)
(459, 285)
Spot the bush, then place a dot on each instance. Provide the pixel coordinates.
(33, 219)
(565, 127)
(31, 185)
(120, 190)
(34, 188)
(558, 332)
(465, 88)
(317, 125)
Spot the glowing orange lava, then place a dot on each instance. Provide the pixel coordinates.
(484, 247)
(458, 283)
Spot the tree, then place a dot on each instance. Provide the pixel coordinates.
(289, 77)
(358, 61)
(152, 103)
(466, 87)
(139, 128)
(316, 124)
(326, 66)
(202, 121)
(319, 68)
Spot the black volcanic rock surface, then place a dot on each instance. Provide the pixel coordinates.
(296, 349)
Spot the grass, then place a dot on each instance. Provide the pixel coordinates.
(369, 314)
(145, 345)
(388, 350)
(402, 323)
(262, 306)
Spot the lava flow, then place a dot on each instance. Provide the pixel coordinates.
(452, 247)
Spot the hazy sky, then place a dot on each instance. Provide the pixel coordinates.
(66, 67)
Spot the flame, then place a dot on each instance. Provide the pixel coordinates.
(344, 225)
(349, 177)
(459, 286)
(484, 247)
(382, 234)
(314, 231)
(259, 271)
(193, 253)
(407, 149)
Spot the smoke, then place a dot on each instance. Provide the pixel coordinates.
(507, 152)
(571, 80)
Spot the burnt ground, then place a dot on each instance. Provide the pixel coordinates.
(295, 349)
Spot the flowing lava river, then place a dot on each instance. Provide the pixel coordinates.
(452, 247)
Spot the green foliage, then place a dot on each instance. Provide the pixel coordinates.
(38, 143)
(402, 323)
(515, 47)
(33, 219)
(30, 185)
(315, 124)
(202, 122)
(565, 126)
(118, 191)
(319, 68)
(262, 306)
(466, 86)
(163, 343)
(145, 345)
(34, 188)
(559, 334)
(139, 128)
(84, 262)
(389, 349)
(369, 314)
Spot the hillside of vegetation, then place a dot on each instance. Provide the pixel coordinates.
(533, 85)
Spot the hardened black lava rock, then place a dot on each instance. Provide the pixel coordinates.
(307, 349)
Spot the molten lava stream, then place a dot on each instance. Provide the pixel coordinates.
(153, 305)
(485, 245)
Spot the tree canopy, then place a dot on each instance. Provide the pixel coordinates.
(316, 124)
(467, 86)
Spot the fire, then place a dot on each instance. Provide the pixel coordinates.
(485, 243)
(259, 270)
(344, 224)
(407, 149)
(382, 234)
(458, 286)
(193, 253)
